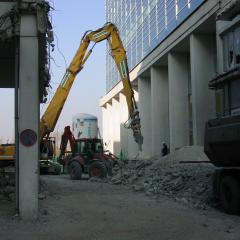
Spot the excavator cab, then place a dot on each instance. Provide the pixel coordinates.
(88, 147)
(84, 147)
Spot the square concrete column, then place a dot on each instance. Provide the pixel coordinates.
(132, 145)
(144, 90)
(159, 109)
(116, 127)
(123, 110)
(104, 123)
(108, 128)
(178, 100)
(28, 119)
(219, 45)
(129, 147)
(202, 53)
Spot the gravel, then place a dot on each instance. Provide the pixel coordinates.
(7, 187)
(174, 176)
(101, 211)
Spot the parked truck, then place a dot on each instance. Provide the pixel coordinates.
(222, 146)
(222, 134)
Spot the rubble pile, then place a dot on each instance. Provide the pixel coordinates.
(184, 176)
(7, 187)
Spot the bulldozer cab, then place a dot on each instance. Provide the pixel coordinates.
(88, 147)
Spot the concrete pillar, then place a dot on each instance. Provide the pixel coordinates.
(144, 89)
(132, 145)
(124, 131)
(219, 47)
(116, 129)
(28, 118)
(108, 133)
(128, 146)
(202, 52)
(159, 109)
(178, 100)
(104, 125)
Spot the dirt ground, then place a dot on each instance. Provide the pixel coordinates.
(100, 211)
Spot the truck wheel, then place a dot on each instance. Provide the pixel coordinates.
(230, 194)
(75, 170)
(97, 169)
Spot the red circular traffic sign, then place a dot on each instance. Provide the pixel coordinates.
(28, 137)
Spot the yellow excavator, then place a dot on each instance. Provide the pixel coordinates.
(49, 119)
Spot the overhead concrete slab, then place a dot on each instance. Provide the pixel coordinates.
(7, 48)
(7, 64)
(8, 34)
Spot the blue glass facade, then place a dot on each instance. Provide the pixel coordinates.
(144, 24)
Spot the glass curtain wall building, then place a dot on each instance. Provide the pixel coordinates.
(143, 25)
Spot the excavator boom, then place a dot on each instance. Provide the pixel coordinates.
(110, 33)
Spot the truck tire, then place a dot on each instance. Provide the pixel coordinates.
(75, 170)
(98, 169)
(230, 194)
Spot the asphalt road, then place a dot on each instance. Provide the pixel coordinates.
(85, 210)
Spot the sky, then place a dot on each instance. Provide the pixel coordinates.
(70, 20)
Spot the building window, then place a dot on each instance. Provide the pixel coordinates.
(231, 96)
(143, 25)
(235, 97)
(231, 48)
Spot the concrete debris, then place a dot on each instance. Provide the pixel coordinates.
(7, 194)
(189, 182)
(6, 179)
(7, 189)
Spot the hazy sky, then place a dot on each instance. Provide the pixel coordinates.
(70, 20)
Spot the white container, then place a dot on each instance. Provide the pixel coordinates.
(85, 126)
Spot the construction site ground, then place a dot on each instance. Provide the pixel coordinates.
(102, 211)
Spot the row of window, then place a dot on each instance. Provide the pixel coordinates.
(231, 48)
(143, 24)
(231, 60)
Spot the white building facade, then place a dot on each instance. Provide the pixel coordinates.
(169, 71)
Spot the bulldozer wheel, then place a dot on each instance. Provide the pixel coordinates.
(230, 194)
(75, 170)
(97, 169)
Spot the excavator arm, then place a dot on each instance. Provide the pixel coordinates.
(67, 136)
(110, 33)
